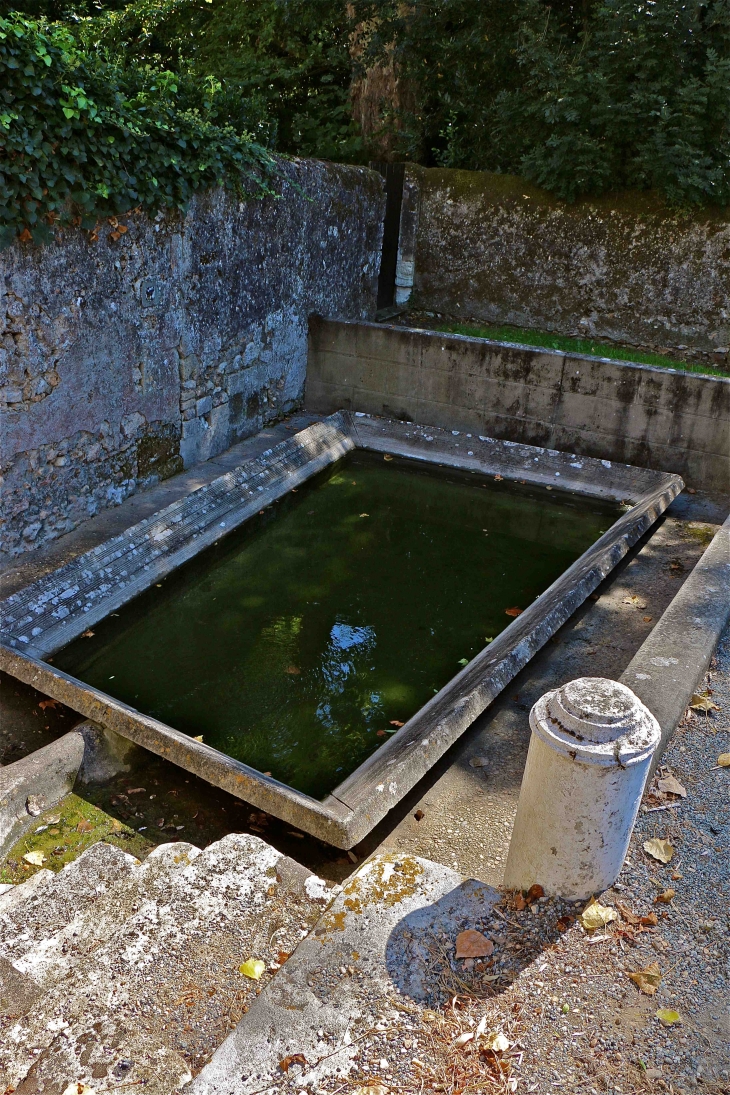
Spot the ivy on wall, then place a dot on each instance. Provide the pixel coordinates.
(83, 136)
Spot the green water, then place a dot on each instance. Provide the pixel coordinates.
(295, 642)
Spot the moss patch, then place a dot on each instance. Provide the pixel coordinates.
(703, 534)
(588, 347)
(64, 832)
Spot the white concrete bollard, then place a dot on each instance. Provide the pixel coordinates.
(590, 752)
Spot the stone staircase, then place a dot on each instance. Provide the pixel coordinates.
(115, 972)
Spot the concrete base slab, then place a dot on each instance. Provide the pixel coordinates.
(370, 953)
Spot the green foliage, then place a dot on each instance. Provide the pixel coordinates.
(83, 135)
(281, 67)
(578, 97)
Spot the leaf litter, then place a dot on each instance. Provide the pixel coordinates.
(659, 849)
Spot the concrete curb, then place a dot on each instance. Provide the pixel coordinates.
(669, 666)
(35, 783)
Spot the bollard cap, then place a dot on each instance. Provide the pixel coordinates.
(597, 721)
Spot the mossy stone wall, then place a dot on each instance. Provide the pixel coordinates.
(623, 267)
(165, 340)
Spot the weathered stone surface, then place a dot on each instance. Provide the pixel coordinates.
(625, 267)
(673, 661)
(145, 969)
(36, 782)
(371, 952)
(122, 361)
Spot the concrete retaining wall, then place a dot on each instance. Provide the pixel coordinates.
(636, 414)
(125, 359)
(624, 266)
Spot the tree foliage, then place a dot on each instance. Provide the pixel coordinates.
(106, 105)
(578, 97)
(83, 135)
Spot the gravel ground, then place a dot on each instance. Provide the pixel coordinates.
(560, 995)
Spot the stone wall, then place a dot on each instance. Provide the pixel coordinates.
(622, 267)
(165, 341)
(635, 414)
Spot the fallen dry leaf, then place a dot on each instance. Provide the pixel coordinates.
(723, 761)
(198, 737)
(665, 897)
(293, 1059)
(472, 944)
(648, 979)
(596, 915)
(520, 902)
(252, 968)
(671, 786)
(496, 1041)
(467, 1036)
(387, 456)
(47, 703)
(396, 722)
(658, 849)
(89, 634)
(293, 670)
(668, 1017)
(534, 893)
(701, 702)
(136, 790)
(635, 919)
(84, 826)
(36, 858)
(513, 611)
(498, 479)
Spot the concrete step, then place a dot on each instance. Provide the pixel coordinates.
(155, 964)
(32, 914)
(374, 956)
(53, 955)
(12, 896)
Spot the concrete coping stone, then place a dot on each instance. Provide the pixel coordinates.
(45, 616)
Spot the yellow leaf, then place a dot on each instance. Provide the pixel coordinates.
(723, 761)
(36, 858)
(496, 1041)
(253, 968)
(668, 1017)
(658, 849)
(596, 915)
(648, 979)
(702, 703)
